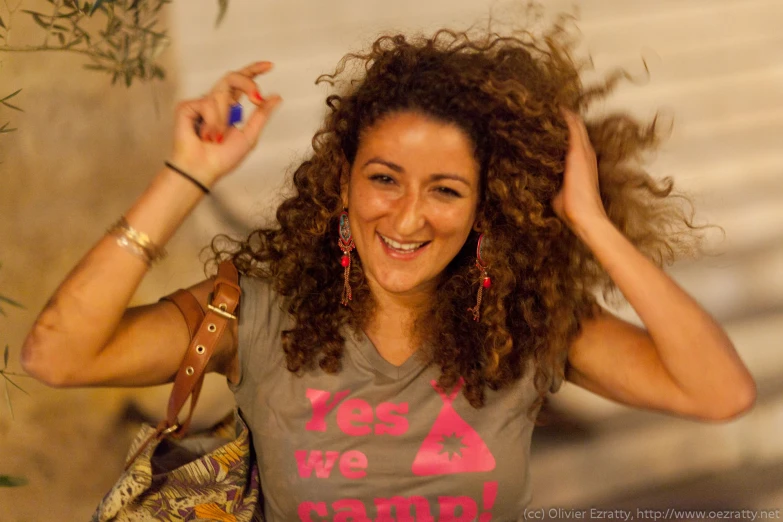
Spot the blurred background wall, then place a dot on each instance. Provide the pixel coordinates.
(84, 150)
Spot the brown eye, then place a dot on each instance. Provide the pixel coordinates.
(446, 191)
(382, 178)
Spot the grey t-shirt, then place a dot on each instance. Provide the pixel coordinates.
(375, 442)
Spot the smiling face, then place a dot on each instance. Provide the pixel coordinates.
(411, 198)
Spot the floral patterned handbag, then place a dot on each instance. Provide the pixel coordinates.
(211, 475)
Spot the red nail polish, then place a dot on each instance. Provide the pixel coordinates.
(257, 96)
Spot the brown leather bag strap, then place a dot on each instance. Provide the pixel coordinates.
(189, 308)
(221, 310)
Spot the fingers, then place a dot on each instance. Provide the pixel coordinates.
(227, 91)
(257, 120)
(190, 117)
(255, 68)
(214, 123)
(578, 136)
(232, 86)
(207, 118)
(229, 87)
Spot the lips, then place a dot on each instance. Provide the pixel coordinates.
(400, 250)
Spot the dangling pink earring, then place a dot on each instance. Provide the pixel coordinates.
(346, 245)
(486, 282)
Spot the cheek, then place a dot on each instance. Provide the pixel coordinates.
(365, 207)
(455, 233)
(366, 202)
(455, 219)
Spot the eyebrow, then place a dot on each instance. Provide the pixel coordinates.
(434, 177)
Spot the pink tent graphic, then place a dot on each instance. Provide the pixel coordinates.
(452, 445)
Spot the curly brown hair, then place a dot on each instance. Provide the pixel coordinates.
(505, 92)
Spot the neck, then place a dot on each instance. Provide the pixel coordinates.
(395, 314)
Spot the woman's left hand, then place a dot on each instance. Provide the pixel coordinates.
(579, 198)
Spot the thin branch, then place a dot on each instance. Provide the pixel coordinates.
(10, 17)
(15, 9)
(14, 384)
(51, 22)
(31, 49)
(128, 46)
(2, 297)
(8, 399)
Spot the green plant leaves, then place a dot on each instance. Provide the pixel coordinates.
(4, 373)
(4, 299)
(127, 46)
(8, 399)
(4, 101)
(7, 481)
(38, 18)
(95, 6)
(222, 8)
(7, 380)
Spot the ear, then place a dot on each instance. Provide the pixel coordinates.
(478, 223)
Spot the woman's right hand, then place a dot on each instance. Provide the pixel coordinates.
(205, 146)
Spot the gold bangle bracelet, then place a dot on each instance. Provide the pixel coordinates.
(133, 248)
(136, 242)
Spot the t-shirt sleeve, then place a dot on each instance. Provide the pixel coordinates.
(261, 321)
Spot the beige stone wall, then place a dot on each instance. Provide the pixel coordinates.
(82, 153)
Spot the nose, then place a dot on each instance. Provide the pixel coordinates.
(409, 216)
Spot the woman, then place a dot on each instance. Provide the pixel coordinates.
(399, 379)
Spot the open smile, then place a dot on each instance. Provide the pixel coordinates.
(399, 250)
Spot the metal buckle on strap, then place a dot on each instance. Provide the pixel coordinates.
(169, 430)
(220, 310)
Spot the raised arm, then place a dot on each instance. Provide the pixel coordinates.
(682, 362)
(85, 335)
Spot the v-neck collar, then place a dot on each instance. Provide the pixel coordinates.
(364, 347)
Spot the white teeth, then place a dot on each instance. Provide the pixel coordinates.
(405, 247)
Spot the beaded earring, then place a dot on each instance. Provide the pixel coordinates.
(486, 282)
(346, 245)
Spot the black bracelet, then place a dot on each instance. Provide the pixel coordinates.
(196, 182)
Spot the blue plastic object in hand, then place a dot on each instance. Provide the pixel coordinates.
(235, 115)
